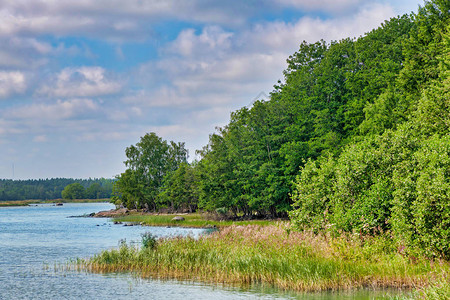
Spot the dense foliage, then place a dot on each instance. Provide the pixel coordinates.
(46, 189)
(249, 165)
(355, 139)
(395, 176)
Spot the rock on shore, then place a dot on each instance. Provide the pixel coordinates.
(112, 213)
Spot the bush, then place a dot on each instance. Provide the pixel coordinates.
(312, 194)
(422, 198)
(149, 241)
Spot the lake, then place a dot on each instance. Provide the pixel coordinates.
(37, 242)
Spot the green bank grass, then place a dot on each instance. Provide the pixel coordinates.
(269, 256)
(190, 220)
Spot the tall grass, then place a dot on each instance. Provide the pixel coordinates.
(246, 255)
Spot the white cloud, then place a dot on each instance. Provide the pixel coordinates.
(81, 82)
(285, 37)
(30, 43)
(108, 19)
(10, 60)
(134, 19)
(57, 111)
(40, 139)
(212, 40)
(11, 82)
(216, 67)
(30, 53)
(7, 128)
(331, 6)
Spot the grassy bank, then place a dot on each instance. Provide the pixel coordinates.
(18, 203)
(196, 220)
(268, 255)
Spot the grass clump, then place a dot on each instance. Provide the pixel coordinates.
(246, 255)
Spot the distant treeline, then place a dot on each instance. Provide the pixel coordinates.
(46, 189)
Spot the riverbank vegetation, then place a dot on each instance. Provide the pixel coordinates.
(189, 220)
(274, 256)
(355, 139)
(353, 145)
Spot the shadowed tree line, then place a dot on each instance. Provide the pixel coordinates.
(47, 189)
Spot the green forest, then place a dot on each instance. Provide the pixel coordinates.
(49, 189)
(354, 138)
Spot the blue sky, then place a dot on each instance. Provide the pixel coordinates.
(82, 80)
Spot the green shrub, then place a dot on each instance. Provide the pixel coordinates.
(149, 241)
(422, 198)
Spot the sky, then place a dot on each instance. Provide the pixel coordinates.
(82, 80)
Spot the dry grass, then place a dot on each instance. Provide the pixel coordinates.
(246, 255)
(18, 203)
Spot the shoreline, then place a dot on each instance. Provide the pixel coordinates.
(270, 255)
(187, 220)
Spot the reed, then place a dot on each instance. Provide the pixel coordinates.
(436, 291)
(246, 255)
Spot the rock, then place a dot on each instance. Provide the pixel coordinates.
(177, 219)
(117, 222)
(112, 213)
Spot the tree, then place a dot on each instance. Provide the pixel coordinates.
(149, 161)
(73, 191)
(94, 191)
(179, 191)
(396, 176)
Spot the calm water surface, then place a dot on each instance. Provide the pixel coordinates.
(35, 241)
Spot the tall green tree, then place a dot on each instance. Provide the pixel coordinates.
(179, 191)
(148, 162)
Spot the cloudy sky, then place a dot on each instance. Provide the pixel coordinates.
(82, 80)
